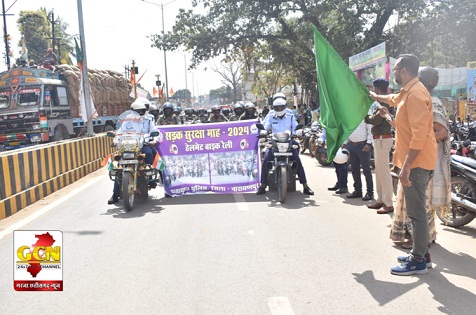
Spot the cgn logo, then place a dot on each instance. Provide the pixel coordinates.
(38, 260)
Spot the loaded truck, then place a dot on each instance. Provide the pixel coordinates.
(41, 105)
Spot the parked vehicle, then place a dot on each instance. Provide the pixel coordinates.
(463, 192)
(282, 171)
(38, 105)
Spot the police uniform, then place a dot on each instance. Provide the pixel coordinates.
(171, 120)
(281, 124)
(219, 118)
(245, 116)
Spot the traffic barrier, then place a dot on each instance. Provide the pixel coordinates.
(30, 175)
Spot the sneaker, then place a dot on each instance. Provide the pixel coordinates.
(427, 259)
(410, 267)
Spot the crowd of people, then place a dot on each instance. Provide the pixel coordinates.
(49, 61)
(421, 159)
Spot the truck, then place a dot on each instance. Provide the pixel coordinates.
(40, 105)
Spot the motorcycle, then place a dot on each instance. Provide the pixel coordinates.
(321, 153)
(282, 171)
(129, 167)
(314, 135)
(463, 192)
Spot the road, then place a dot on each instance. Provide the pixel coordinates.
(234, 254)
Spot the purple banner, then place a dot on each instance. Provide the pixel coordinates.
(217, 157)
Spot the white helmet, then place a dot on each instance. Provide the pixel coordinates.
(279, 106)
(342, 156)
(279, 95)
(138, 106)
(145, 101)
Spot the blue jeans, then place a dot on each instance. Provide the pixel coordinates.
(358, 158)
(268, 156)
(415, 203)
(342, 171)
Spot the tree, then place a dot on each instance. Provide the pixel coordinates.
(34, 27)
(231, 74)
(231, 28)
(221, 95)
(183, 95)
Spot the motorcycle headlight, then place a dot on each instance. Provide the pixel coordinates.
(128, 155)
(282, 147)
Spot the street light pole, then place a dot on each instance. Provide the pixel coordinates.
(165, 51)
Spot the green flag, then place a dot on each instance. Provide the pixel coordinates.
(79, 55)
(343, 97)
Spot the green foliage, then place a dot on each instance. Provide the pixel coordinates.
(274, 40)
(35, 27)
(221, 95)
(183, 95)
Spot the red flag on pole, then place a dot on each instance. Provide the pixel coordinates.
(154, 91)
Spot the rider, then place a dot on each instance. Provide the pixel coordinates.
(202, 115)
(189, 115)
(144, 126)
(226, 112)
(168, 117)
(250, 112)
(216, 115)
(281, 121)
(178, 113)
(154, 111)
(238, 110)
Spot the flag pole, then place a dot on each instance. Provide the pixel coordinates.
(84, 74)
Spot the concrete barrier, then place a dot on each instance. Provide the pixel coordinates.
(29, 175)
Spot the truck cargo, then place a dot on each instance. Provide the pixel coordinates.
(40, 105)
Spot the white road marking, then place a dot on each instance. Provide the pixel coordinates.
(241, 202)
(279, 305)
(47, 208)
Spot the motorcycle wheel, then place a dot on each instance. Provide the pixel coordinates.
(321, 157)
(312, 146)
(458, 215)
(128, 190)
(282, 183)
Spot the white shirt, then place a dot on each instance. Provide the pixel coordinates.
(361, 133)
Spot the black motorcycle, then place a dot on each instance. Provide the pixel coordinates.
(282, 170)
(463, 192)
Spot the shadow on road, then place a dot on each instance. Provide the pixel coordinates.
(453, 298)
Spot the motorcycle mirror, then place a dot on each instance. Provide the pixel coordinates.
(111, 134)
(452, 117)
(154, 133)
(260, 126)
(299, 126)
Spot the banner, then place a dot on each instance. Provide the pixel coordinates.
(217, 157)
(368, 58)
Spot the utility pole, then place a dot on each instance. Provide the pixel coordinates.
(135, 83)
(5, 36)
(84, 76)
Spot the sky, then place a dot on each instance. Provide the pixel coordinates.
(116, 33)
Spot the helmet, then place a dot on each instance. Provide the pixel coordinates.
(429, 77)
(238, 109)
(202, 111)
(139, 107)
(145, 101)
(279, 106)
(342, 156)
(153, 108)
(226, 111)
(188, 111)
(168, 109)
(216, 110)
(279, 95)
(250, 108)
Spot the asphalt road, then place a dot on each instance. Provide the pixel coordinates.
(234, 254)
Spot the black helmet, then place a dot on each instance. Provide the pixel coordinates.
(226, 111)
(202, 111)
(429, 77)
(238, 109)
(168, 109)
(188, 111)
